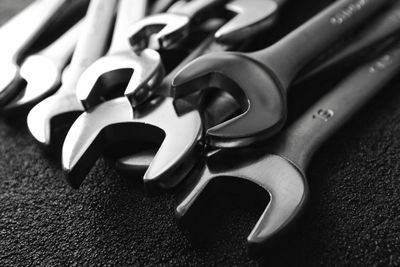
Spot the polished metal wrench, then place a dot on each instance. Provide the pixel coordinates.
(167, 30)
(19, 33)
(40, 73)
(58, 109)
(82, 146)
(281, 172)
(382, 28)
(250, 19)
(259, 81)
(121, 66)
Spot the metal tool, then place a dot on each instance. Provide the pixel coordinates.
(167, 30)
(57, 109)
(259, 81)
(251, 18)
(381, 29)
(40, 74)
(121, 65)
(82, 140)
(281, 172)
(18, 34)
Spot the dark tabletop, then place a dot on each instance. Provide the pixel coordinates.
(353, 216)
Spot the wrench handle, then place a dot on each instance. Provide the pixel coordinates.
(129, 11)
(92, 39)
(384, 27)
(61, 50)
(195, 8)
(23, 29)
(299, 142)
(288, 56)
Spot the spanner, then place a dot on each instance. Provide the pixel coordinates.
(259, 81)
(121, 65)
(40, 73)
(84, 133)
(58, 109)
(384, 27)
(251, 18)
(281, 171)
(19, 33)
(167, 30)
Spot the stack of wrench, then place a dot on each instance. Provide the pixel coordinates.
(105, 83)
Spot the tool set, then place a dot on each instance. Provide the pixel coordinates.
(106, 81)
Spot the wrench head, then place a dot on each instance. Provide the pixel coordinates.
(42, 77)
(250, 19)
(139, 72)
(56, 111)
(8, 80)
(160, 31)
(254, 87)
(114, 122)
(285, 183)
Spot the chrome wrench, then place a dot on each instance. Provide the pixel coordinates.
(40, 73)
(19, 33)
(259, 81)
(381, 29)
(121, 66)
(281, 171)
(82, 140)
(57, 109)
(167, 30)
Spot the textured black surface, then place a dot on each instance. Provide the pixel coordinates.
(353, 218)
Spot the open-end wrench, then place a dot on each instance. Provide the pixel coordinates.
(58, 109)
(121, 66)
(167, 30)
(281, 172)
(259, 81)
(19, 33)
(382, 28)
(40, 73)
(251, 18)
(82, 139)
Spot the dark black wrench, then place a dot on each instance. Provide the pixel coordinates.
(18, 35)
(281, 172)
(259, 81)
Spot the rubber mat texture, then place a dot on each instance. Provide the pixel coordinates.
(353, 216)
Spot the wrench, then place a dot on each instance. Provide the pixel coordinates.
(57, 110)
(281, 171)
(19, 33)
(40, 74)
(121, 65)
(259, 81)
(250, 19)
(382, 28)
(167, 30)
(83, 135)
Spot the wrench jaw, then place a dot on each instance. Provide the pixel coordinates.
(108, 75)
(52, 113)
(286, 185)
(158, 32)
(9, 81)
(42, 77)
(253, 86)
(113, 122)
(249, 20)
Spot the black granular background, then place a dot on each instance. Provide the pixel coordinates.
(353, 218)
